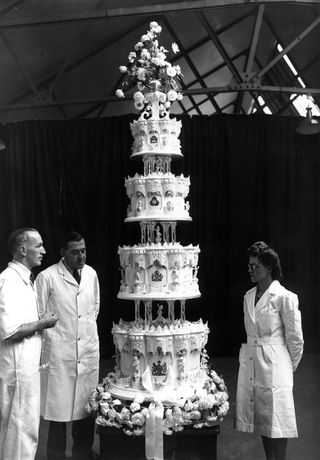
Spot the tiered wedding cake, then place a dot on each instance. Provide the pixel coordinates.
(160, 356)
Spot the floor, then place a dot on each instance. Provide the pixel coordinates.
(233, 445)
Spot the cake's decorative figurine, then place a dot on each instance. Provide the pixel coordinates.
(160, 320)
(136, 375)
(182, 364)
(162, 359)
(204, 363)
(158, 234)
(139, 206)
(175, 274)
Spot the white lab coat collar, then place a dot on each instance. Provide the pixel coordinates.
(67, 275)
(274, 288)
(21, 269)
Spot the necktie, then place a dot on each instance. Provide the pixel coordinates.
(32, 278)
(76, 276)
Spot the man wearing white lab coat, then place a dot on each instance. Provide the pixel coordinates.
(70, 288)
(20, 348)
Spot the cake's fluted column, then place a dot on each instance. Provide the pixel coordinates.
(137, 310)
(183, 310)
(171, 311)
(148, 312)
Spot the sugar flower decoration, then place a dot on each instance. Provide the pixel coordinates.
(148, 70)
(206, 407)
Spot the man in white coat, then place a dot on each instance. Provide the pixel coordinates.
(20, 348)
(70, 288)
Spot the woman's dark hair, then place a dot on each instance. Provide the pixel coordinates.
(267, 256)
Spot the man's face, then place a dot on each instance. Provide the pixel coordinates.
(75, 254)
(34, 250)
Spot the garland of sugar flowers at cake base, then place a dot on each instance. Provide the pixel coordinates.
(149, 71)
(205, 408)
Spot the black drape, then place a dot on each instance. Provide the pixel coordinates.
(252, 178)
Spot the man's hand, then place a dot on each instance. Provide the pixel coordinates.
(48, 320)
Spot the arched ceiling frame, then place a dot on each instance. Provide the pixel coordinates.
(245, 80)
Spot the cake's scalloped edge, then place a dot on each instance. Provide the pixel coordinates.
(154, 296)
(158, 219)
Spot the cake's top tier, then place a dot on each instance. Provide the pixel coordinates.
(154, 133)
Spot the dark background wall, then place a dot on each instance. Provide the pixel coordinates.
(252, 178)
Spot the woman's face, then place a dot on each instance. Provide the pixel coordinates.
(257, 271)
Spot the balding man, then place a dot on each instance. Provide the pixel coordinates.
(20, 348)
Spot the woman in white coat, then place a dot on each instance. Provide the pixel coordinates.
(272, 353)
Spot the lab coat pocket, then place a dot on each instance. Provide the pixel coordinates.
(282, 367)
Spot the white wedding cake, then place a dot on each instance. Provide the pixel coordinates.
(160, 356)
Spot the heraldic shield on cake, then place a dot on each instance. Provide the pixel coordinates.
(161, 374)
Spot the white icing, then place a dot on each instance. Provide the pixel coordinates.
(159, 355)
(156, 136)
(160, 271)
(169, 351)
(160, 196)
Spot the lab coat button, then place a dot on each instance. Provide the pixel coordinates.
(78, 339)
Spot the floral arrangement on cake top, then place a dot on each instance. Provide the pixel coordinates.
(149, 70)
(206, 407)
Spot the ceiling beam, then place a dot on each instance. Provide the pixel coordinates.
(45, 81)
(215, 39)
(190, 5)
(13, 5)
(143, 10)
(252, 52)
(291, 45)
(237, 77)
(187, 92)
(194, 69)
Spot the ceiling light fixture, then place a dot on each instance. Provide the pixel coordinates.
(309, 125)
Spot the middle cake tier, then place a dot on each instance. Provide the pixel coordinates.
(157, 196)
(159, 271)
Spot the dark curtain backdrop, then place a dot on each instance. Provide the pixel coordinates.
(252, 178)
